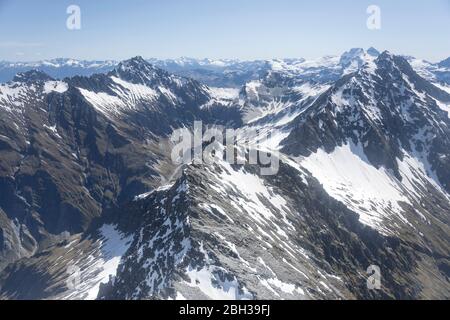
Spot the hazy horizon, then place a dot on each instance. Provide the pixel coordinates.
(250, 30)
(202, 58)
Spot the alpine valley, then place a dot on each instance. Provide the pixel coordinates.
(92, 206)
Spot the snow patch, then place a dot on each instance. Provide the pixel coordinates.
(101, 266)
(55, 86)
(348, 176)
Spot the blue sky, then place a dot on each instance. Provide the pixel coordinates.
(245, 29)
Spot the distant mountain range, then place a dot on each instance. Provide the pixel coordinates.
(228, 72)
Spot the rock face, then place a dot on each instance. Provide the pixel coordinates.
(210, 236)
(386, 107)
(74, 149)
(91, 205)
(445, 63)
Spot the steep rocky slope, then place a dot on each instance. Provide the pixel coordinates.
(92, 206)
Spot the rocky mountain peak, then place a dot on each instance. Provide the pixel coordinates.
(373, 52)
(445, 63)
(32, 76)
(396, 68)
(138, 70)
(390, 57)
(353, 59)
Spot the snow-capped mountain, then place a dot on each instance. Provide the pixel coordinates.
(438, 73)
(232, 73)
(93, 207)
(223, 73)
(216, 73)
(57, 68)
(101, 131)
(445, 63)
(388, 117)
(291, 84)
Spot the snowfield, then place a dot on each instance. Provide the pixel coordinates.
(102, 264)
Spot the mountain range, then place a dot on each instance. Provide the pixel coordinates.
(93, 207)
(231, 73)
